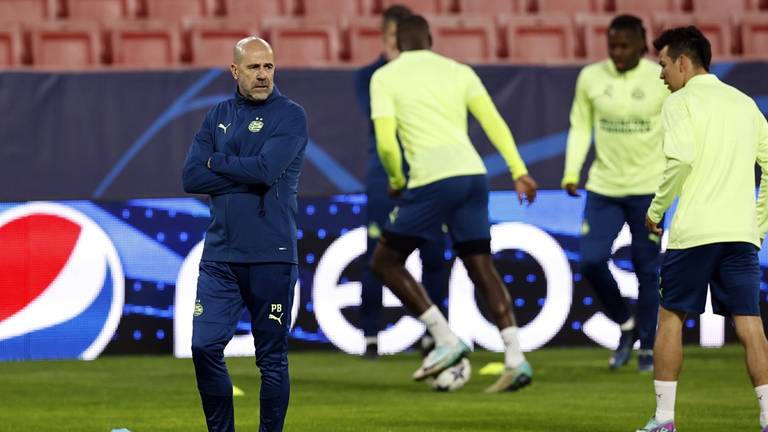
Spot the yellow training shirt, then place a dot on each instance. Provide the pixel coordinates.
(424, 97)
(713, 134)
(624, 109)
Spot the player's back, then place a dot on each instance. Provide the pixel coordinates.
(717, 201)
(427, 94)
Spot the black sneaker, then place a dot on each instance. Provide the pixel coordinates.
(645, 361)
(623, 352)
(371, 351)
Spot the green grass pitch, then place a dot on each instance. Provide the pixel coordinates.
(572, 391)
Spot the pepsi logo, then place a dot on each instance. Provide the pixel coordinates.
(61, 284)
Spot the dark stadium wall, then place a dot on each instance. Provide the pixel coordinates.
(118, 135)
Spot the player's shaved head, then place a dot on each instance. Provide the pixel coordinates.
(247, 44)
(413, 34)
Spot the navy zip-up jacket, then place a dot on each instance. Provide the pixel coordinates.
(256, 150)
(376, 177)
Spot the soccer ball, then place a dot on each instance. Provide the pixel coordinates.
(453, 378)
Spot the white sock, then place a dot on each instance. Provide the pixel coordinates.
(438, 326)
(665, 400)
(513, 355)
(370, 340)
(762, 399)
(628, 324)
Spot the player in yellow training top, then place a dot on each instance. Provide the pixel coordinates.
(423, 97)
(620, 99)
(713, 135)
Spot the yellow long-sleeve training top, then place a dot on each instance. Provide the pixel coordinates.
(423, 97)
(624, 110)
(713, 134)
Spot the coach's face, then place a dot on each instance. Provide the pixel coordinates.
(671, 70)
(254, 70)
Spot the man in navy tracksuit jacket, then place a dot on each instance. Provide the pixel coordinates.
(247, 157)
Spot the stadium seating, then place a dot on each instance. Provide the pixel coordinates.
(166, 33)
(325, 8)
(717, 28)
(10, 45)
(469, 40)
(364, 40)
(591, 43)
(65, 45)
(721, 6)
(211, 40)
(539, 39)
(28, 10)
(565, 6)
(754, 35)
(145, 44)
(423, 7)
(647, 6)
(303, 42)
(99, 10)
(490, 7)
(242, 9)
(177, 10)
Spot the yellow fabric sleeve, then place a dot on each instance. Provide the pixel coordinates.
(762, 161)
(680, 152)
(389, 150)
(483, 109)
(579, 134)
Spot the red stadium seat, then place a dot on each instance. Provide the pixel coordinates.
(334, 8)
(565, 6)
(212, 40)
(242, 9)
(717, 28)
(28, 10)
(539, 39)
(11, 53)
(303, 42)
(365, 42)
(491, 7)
(647, 6)
(177, 10)
(65, 45)
(468, 40)
(422, 7)
(99, 10)
(145, 44)
(721, 6)
(754, 35)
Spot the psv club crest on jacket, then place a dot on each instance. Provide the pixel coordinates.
(256, 125)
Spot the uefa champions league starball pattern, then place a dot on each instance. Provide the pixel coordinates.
(453, 378)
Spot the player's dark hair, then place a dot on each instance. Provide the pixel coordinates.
(630, 23)
(413, 33)
(394, 14)
(686, 40)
